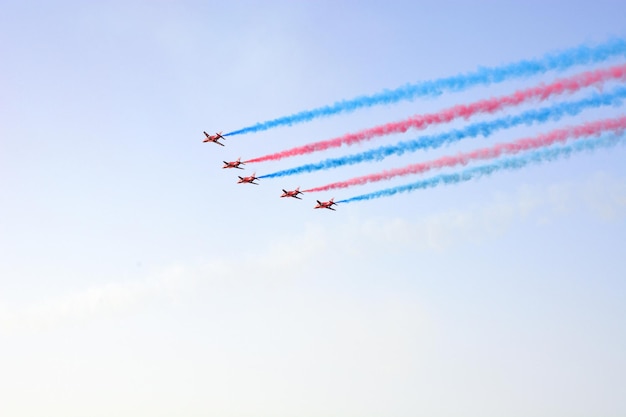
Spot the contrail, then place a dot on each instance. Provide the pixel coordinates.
(542, 92)
(616, 125)
(543, 155)
(559, 61)
(552, 113)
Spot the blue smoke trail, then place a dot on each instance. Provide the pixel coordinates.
(559, 61)
(544, 155)
(553, 113)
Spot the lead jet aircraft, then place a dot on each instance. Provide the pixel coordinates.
(293, 193)
(326, 204)
(213, 138)
(249, 180)
(234, 164)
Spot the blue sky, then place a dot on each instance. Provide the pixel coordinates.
(137, 278)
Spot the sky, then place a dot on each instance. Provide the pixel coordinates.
(137, 278)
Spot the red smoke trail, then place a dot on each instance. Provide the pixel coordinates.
(542, 92)
(556, 136)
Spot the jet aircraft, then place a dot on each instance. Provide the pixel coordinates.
(234, 164)
(326, 204)
(214, 138)
(249, 180)
(293, 193)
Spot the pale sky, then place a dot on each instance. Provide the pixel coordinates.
(138, 279)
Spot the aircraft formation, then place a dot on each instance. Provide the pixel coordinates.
(608, 89)
(252, 178)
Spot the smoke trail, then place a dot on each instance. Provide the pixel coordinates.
(559, 61)
(485, 129)
(502, 164)
(549, 139)
(542, 92)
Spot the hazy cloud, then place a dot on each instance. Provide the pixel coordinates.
(602, 196)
